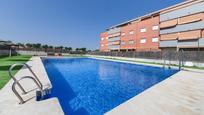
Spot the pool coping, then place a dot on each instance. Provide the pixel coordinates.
(9, 103)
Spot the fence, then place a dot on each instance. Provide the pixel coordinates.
(193, 56)
(5, 52)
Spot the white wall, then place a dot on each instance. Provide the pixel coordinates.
(37, 53)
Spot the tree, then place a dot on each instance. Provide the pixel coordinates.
(81, 49)
(59, 48)
(68, 49)
(29, 45)
(50, 47)
(77, 49)
(45, 47)
(38, 45)
(21, 45)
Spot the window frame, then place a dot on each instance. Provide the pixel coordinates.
(155, 38)
(155, 26)
(131, 32)
(123, 34)
(129, 42)
(144, 28)
(142, 40)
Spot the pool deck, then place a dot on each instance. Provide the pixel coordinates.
(180, 94)
(9, 103)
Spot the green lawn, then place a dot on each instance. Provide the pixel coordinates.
(5, 63)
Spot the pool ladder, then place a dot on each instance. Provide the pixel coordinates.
(16, 82)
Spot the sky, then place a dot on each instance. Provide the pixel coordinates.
(71, 23)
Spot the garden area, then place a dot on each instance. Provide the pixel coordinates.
(6, 62)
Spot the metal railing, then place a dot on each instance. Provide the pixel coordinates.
(16, 81)
(194, 56)
(168, 58)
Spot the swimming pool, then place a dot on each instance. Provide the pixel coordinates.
(89, 86)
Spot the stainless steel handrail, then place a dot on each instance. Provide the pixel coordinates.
(17, 82)
(26, 65)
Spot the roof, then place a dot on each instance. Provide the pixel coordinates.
(6, 43)
(153, 13)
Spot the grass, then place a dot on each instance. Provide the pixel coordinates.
(5, 63)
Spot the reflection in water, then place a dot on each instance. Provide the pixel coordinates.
(103, 71)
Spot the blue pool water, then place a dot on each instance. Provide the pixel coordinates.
(92, 87)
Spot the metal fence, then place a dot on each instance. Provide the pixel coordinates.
(194, 56)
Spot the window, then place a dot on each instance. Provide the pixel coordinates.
(130, 42)
(143, 40)
(131, 32)
(155, 39)
(102, 39)
(156, 27)
(123, 34)
(122, 43)
(102, 45)
(143, 30)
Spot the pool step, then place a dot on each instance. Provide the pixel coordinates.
(42, 95)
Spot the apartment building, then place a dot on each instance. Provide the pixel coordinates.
(182, 26)
(141, 35)
(104, 42)
(177, 27)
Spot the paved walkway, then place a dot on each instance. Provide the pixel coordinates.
(181, 94)
(9, 102)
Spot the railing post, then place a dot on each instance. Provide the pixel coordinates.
(179, 55)
(16, 93)
(17, 82)
(14, 79)
(180, 59)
